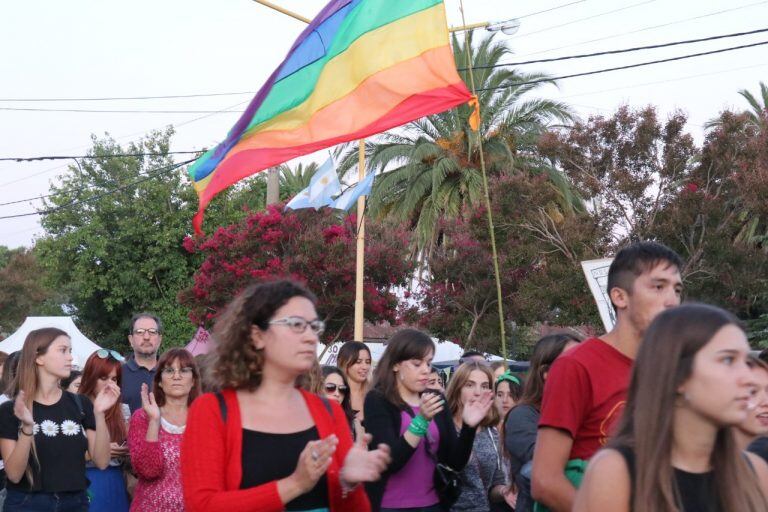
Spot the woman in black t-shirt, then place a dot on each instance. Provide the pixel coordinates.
(46, 431)
(676, 449)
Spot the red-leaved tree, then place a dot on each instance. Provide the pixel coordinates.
(313, 247)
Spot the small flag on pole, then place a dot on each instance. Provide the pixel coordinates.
(350, 196)
(322, 187)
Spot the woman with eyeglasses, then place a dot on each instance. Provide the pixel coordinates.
(46, 432)
(263, 443)
(156, 431)
(335, 387)
(107, 486)
(402, 413)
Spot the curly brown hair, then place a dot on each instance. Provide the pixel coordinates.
(237, 363)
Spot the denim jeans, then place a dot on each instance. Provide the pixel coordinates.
(18, 501)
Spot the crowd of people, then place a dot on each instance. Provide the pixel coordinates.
(667, 412)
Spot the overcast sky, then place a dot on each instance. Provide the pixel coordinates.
(105, 48)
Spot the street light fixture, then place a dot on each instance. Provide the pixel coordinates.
(508, 27)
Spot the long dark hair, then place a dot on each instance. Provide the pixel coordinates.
(8, 383)
(402, 346)
(346, 402)
(546, 350)
(664, 362)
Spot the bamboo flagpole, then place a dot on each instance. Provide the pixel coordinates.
(486, 194)
(360, 268)
(360, 260)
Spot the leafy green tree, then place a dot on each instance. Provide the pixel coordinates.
(113, 237)
(23, 292)
(431, 168)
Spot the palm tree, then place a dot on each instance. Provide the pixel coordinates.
(430, 169)
(293, 181)
(757, 114)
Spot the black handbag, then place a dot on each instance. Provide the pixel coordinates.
(446, 480)
(447, 483)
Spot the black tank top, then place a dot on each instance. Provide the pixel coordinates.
(696, 490)
(268, 457)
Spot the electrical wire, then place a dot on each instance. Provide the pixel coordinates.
(629, 66)
(550, 9)
(625, 50)
(95, 111)
(598, 15)
(652, 27)
(149, 176)
(93, 157)
(131, 98)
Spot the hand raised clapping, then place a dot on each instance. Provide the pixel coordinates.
(148, 404)
(22, 412)
(363, 465)
(475, 410)
(313, 462)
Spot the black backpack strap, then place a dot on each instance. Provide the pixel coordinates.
(222, 406)
(327, 405)
(79, 403)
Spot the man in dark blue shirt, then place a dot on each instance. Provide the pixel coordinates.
(145, 338)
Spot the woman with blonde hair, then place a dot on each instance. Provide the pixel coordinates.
(483, 477)
(676, 450)
(263, 443)
(45, 432)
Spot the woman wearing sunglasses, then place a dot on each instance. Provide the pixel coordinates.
(262, 443)
(156, 430)
(107, 489)
(336, 387)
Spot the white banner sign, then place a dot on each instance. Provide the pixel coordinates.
(596, 272)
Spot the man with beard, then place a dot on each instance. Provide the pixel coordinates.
(145, 337)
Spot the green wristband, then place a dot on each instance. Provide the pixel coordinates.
(419, 426)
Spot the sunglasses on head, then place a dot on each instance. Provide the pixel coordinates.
(104, 353)
(331, 388)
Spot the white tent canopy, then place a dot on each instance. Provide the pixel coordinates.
(82, 347)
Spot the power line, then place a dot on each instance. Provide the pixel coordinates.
(149, 176)
(669, 80)
(614, 52)
(131, 98)
(652, 27)
(93, 157)
(95, 111)
(598, 15)
(629, 66)
(550, 9)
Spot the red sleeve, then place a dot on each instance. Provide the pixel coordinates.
(567, 396)
(356, 500)
(204, 467)
(146, 456)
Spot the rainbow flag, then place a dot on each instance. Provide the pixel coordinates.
(360, 68)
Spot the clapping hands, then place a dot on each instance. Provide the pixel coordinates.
(475, 410)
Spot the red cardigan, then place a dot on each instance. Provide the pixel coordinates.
(211, 460)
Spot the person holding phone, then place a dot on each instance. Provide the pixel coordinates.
(413, 421)
(107, 486)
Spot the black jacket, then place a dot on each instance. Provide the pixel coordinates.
(382, 421)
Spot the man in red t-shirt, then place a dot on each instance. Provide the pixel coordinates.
(586, 388)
